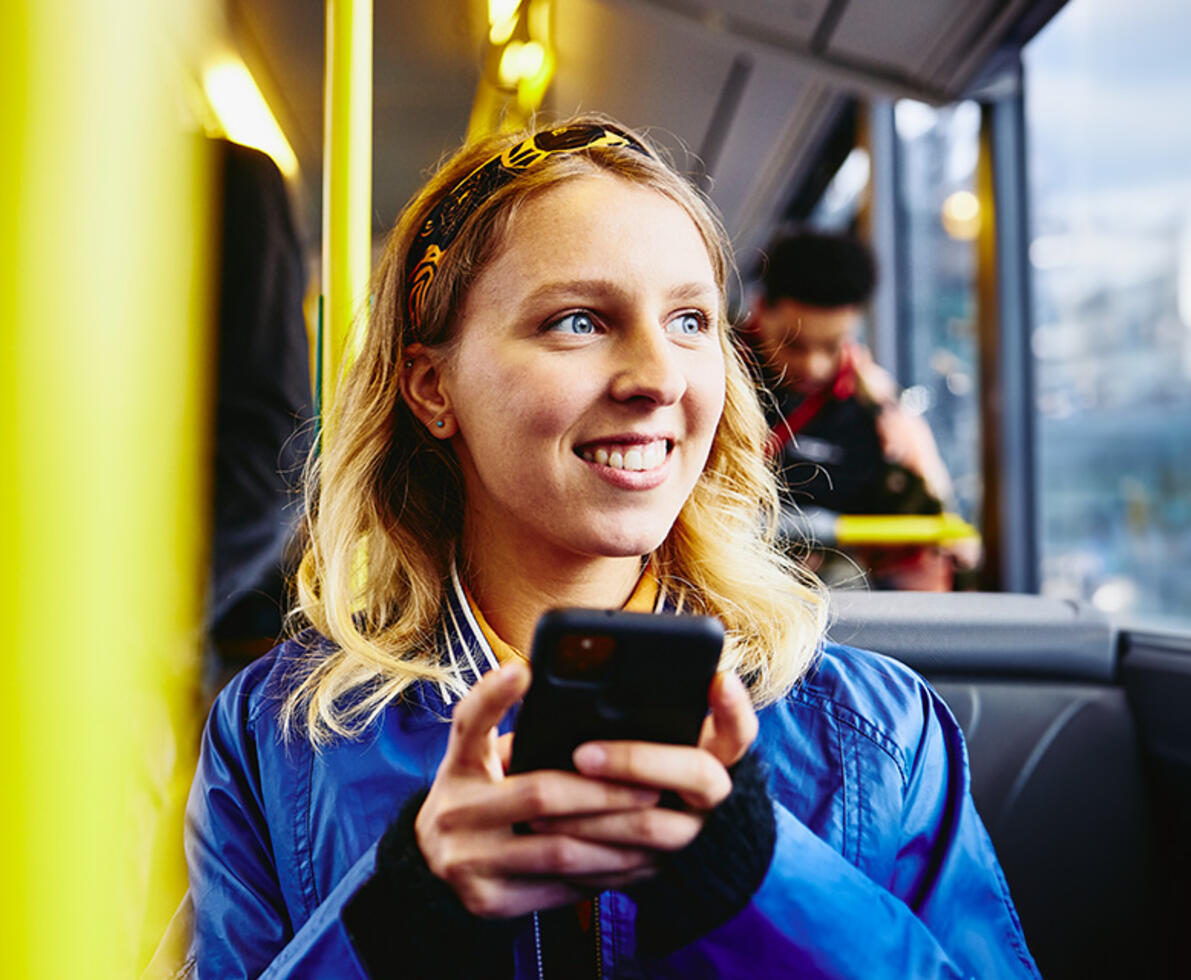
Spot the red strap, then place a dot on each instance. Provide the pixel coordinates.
(843, 386)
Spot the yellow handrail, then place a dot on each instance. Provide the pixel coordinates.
(902, 529)
(347, 190)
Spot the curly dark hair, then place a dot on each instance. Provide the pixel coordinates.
(819, 269)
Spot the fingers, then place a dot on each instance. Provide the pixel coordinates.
(492, 899)
(694, 774)
(539, 871)
(732, 727)
(535, 795)
(559, 856)
(472, 743)
(504, 750)
(699, 776)
(655, 828)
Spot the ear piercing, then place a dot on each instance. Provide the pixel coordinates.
(439, 423)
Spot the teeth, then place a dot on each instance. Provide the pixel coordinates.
(636, 458)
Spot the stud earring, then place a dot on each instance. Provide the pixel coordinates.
(439, 423)
(408, 365)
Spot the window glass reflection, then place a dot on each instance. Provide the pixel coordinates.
(937, 153)
(1110, 252)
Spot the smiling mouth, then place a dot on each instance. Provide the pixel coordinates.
(637, 457)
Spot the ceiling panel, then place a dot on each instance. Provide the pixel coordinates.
(771, 139)
(908, 36)
(749, 73)
(641, 67)
(795, 19)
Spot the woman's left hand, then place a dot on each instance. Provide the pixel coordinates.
(697, 775)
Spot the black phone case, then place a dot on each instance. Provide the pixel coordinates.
(641, 676)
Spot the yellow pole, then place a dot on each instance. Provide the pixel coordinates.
(102, 372)
(347, 188)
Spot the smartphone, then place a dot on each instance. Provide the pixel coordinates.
(612, 676)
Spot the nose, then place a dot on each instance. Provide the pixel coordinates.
(647, 367)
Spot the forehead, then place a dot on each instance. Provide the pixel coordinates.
(790, 320)
(598, 225)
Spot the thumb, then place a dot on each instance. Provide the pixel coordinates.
(733, 726)
(472, 743)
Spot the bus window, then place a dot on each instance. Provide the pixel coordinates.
(937, 150)
(1109, 169)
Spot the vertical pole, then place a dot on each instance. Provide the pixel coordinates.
(103, 376)
(1018, 490)
(347, 189)
(988, 331)
(1010, 513)
(888, 322)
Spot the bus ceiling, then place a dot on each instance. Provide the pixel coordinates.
(742, 91)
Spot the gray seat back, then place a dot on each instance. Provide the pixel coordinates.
(1057, 771)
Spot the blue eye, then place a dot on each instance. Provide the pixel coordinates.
(687, 324)
(575, 323)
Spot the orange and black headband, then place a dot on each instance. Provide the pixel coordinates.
(445, 219)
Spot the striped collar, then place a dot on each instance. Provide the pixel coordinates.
(644, 599)
(470, 650)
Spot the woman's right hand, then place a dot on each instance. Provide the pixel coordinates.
(465, 827)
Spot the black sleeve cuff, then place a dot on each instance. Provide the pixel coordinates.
(405, 922)
(709, 881)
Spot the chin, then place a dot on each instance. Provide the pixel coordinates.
(624, 542)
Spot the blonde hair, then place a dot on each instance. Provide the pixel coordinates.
(385, 502)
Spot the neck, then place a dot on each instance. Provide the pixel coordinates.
(513, 586)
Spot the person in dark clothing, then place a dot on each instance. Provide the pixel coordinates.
(843, 442)
(263, 408)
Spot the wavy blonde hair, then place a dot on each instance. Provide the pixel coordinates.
(385, 502)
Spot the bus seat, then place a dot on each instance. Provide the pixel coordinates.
(1058, 772)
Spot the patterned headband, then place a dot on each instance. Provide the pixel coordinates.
(447, 216)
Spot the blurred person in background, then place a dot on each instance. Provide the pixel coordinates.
(842, 439)
(263, 412)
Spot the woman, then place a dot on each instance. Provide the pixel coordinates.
(549, 411)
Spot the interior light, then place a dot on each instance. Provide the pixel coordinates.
(521, 62)
(530, 60)
(243, 113)
(502, 30)
(961, 215)
(500, 11)
(510, 64)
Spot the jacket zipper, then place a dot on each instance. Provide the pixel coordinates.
(537, 942)
(599, 945)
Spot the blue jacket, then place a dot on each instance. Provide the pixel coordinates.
(881, 868)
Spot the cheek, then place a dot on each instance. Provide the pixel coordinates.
(707, 391)
(503, 402)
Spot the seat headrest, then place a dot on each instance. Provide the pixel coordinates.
(986, 633)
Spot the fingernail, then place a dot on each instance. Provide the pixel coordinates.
(590, 757)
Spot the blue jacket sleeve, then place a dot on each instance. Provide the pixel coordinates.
(942, 910)
(242, 925)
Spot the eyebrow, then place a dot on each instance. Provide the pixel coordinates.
(609, 288)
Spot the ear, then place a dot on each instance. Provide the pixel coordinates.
(424, 392)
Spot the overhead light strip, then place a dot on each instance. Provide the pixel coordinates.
(243, 113)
